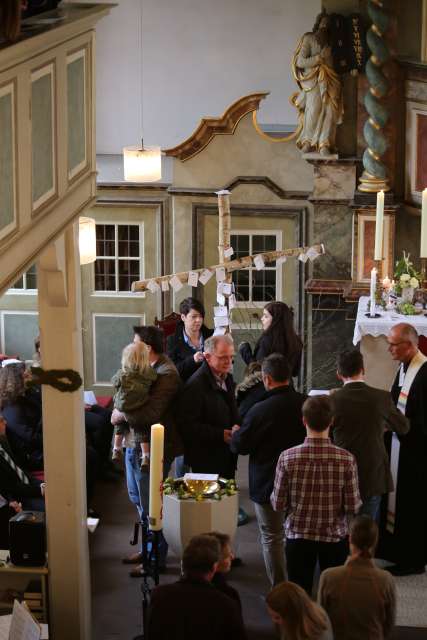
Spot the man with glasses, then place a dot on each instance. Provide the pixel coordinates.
(405, 538)
(208, 411)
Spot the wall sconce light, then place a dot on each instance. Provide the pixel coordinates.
(87, 240)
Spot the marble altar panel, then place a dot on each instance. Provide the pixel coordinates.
(332, 225)
(334, 181)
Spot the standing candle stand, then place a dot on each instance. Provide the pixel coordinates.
(151, 527)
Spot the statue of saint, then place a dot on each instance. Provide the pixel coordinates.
(320, 95)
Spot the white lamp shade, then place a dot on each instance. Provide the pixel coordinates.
(142, 165)
(87, 240)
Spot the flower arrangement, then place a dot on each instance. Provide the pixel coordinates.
(405, 274)
(176, 486)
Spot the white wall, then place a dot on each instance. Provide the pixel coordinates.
(198, 57)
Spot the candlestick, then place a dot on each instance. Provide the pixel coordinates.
(423, 243)
(156, 477)
(379, 227)
(373, 291)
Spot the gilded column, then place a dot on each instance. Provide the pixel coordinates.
(374, 177)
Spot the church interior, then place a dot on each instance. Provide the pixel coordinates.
(218, 87)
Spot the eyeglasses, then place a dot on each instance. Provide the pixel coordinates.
(396, 344)
(224, 358)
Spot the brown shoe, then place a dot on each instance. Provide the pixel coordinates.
(134, 558)
(137, 572)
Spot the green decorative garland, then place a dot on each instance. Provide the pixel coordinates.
(172, 486)
(64, 380)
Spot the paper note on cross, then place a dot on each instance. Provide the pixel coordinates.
(205, 276)
(193, 278)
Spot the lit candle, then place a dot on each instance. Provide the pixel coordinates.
(373, 289)
(379, 227)
(387, 283)
(423, 247)
(155, 515)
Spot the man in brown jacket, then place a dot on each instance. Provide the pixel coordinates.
(361, 415)
(359, 598)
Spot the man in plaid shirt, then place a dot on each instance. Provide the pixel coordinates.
(316, 487)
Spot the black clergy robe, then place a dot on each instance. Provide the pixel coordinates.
(407, 546)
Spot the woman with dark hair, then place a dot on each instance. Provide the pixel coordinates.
(296, 615)
(278, 336)
(185, 347)
(22, 411)
(359, 597)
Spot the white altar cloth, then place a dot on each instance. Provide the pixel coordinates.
(381, 326)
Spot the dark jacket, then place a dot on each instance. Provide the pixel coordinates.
(181, 354)
(220, 582)
(361, 415)
(270, 426)
(192, 610)
(205, 411)
(11, 486)
(264, 348)
(160, 407)
(24, 429)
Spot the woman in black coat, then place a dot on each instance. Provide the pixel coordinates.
(185, 347)
(278, 336)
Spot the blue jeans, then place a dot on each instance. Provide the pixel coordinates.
(371, 507)
(138, 485)
(180, 467)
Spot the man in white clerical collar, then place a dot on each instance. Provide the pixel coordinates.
(405, 537)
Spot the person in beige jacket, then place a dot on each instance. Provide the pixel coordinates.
(359, 598)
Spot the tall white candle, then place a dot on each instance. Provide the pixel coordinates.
(155, 515)
(373, 290)
(379, 227)
(423, 245)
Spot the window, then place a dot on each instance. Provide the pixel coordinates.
(252, 285)
(27, 282)
(118, 256)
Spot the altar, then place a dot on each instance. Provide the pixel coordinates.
(380, 369)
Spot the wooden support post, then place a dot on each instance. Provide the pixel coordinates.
(64, 441)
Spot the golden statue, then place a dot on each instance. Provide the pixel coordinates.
(320, 97)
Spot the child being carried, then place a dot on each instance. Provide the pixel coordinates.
(132, 384)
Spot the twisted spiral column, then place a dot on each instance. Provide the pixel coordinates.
(374, 177)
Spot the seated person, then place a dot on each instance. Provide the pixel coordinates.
(99, 432)
(192, 608)
(22, 411)
(296, 615)
(224, 565)
(359, 598)
(15, 484)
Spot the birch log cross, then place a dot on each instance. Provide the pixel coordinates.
(233, 265)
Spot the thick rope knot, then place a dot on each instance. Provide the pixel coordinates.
(60, 379)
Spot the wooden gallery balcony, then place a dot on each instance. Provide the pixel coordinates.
(47, 131)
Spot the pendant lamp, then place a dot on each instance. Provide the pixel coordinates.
(142, 164)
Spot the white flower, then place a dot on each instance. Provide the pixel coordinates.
(413, 282)
(405, 277)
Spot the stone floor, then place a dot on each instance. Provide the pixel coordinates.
(117, 597)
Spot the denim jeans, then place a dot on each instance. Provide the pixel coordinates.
(371, 507)
(270, 525)
(180, 467)
(138, 485)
